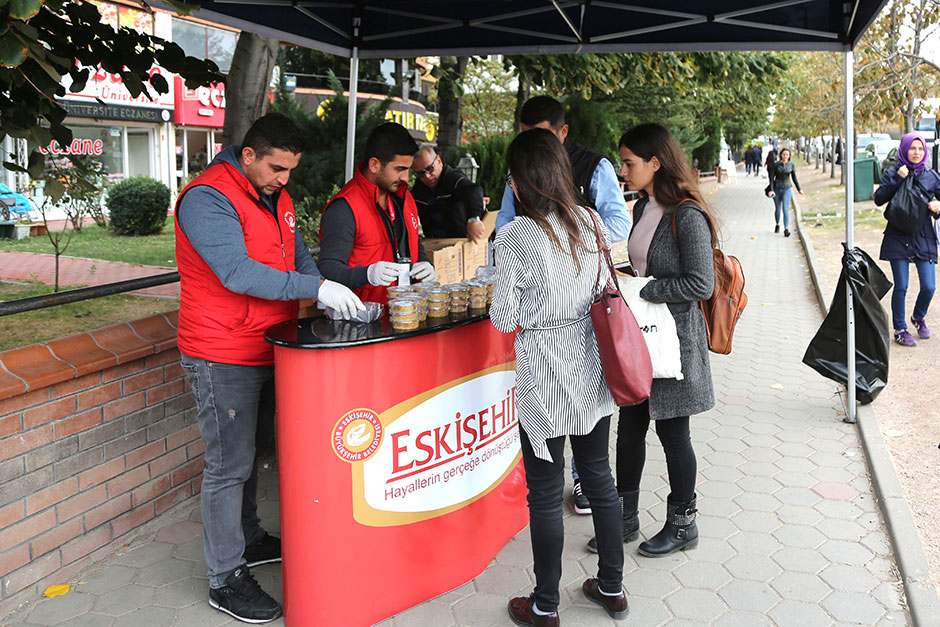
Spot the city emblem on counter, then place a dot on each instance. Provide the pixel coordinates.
(357, 435)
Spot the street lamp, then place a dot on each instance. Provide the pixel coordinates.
(469, 166)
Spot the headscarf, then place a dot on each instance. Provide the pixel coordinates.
(906, 142)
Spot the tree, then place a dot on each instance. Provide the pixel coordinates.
(449, 76)
(892, 76)
(487, 96)
(246, 92)
(73, 183)
(41, 41)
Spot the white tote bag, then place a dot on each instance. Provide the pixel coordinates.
(658, 326)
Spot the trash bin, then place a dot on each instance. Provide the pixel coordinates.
(866, 169)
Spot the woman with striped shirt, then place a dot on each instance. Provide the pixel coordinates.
(546, 261)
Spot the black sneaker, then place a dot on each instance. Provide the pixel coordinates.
(581, 503)
(244, 599)
(264, 551)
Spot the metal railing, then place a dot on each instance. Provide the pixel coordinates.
(33, 303)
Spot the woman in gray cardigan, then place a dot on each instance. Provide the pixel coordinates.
(684, 273)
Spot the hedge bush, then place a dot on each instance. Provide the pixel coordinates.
(138, 206)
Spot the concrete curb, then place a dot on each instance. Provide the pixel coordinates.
(922, 599)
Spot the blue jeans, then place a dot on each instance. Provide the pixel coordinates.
(927, 274)
(546, 482)
(782, 205)
(234, 404)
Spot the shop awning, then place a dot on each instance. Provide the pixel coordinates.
(410, 28)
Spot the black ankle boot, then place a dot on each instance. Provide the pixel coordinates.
(678, 534)
(629, 508)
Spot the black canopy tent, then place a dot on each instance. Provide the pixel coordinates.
(410, 28)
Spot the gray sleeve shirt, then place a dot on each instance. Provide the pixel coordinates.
(211, 224)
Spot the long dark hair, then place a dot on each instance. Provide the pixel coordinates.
(674, 181)
(541, 171)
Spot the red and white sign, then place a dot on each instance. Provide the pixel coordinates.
(109, 88)
(203, 106)
(77, 147)
(444, 451)
(399, 464)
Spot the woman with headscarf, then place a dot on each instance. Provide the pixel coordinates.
(901, 249)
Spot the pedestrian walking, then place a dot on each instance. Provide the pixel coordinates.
(758, 155)
(920, 248)
(781, 173)
(683, 267)
(546, 280)
(748, 160)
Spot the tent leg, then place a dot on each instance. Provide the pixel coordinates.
(353, 97)
(848, 165)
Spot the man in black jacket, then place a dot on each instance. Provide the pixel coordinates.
(449, 204)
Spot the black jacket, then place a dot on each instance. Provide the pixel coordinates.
(584, 162)
(444, 210)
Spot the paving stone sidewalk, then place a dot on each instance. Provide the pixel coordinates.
(78, 271)
(791, 533)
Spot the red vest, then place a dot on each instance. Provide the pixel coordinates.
(215, 323)
(371, 242)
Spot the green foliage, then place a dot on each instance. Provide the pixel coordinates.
(85, 179)
(138, 206)
(590, 123)
(323, 164)
(41, 41)
(490, 154)
(706, 155)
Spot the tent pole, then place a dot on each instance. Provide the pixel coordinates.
(353, 97)
(848, 162)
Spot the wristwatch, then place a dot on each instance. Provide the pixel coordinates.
(474, 219)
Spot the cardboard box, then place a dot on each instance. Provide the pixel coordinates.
(474, 256)
(446, 256)
(455, 258)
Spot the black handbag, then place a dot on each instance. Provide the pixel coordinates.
(907, 210)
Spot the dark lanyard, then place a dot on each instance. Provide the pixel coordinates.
(389, 227)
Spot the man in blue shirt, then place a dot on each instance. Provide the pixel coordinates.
(596, 186)
(594, 177)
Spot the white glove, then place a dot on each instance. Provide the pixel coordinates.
(382, 273)
(422, 271)
(340, 298)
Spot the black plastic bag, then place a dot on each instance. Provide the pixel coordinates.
(826, 353)
(907, 209)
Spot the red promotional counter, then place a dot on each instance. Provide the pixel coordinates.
(399, 463)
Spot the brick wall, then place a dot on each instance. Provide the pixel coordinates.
(98, 436)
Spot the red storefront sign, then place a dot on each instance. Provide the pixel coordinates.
(203, 106)
(77, 147)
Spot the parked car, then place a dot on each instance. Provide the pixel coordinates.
(865, 139)
(879, 149)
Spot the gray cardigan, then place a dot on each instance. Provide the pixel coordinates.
(684, 275)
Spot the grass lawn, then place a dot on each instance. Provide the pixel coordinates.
(97, 243)
(27, 328)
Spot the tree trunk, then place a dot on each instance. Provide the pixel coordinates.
(246, 91)
(832, 155)
(522, 94)
(449, 93)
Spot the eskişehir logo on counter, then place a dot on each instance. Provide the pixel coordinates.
(444, 449)
(357, 435)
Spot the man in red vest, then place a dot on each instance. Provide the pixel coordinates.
(243, 265)
(370, 228)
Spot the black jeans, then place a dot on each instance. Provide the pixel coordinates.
(546, 482)
(673, 433)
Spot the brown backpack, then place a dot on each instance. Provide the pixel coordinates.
(728, 301)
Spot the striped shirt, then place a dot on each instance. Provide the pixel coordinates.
(560, 387)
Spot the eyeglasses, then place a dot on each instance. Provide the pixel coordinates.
(428, 171)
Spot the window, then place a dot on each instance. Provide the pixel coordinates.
(206, 42)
